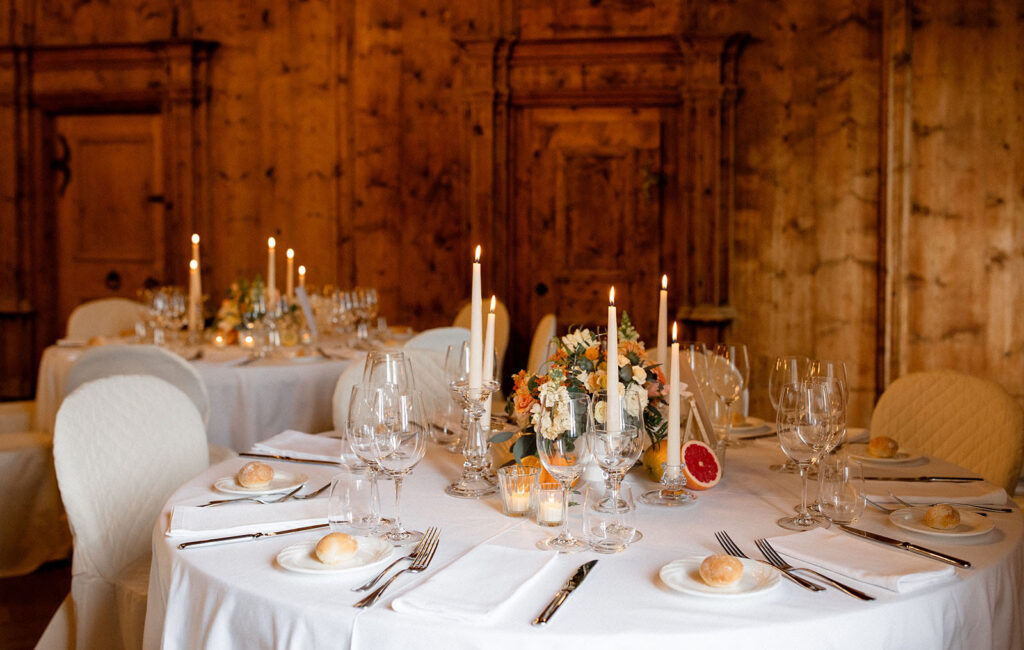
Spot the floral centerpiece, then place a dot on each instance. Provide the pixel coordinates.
(578, 367)
(235, 307)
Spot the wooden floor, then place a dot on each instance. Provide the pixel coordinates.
(28, 602)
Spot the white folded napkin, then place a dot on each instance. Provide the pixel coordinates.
(860, 559)
(342, 352)
(242, 518)
(304, 446)
(476, 587)
(227, 356)
(856, 434)
(979, 492)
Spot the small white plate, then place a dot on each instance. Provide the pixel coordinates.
(971, 523)
(301, 557)
(749, 425)
(859, 451)
(282, 482)
(684, 575)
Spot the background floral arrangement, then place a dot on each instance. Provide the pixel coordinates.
(578, 367)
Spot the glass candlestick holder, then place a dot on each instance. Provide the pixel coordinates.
(672, 489)
(476, 480)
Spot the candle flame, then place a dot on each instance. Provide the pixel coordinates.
(302, 270)
(611, 296)
(674, 336)
(290, 254)
(195, 238)
(664, 282)
(494, 303)
(271, 242)
(193, 265)
(477, 259)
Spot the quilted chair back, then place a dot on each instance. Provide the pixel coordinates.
(546, 328)
(438, 339)
(104, 317)
(966, 420)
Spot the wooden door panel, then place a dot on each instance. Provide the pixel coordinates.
(582, 204)
(110, 218)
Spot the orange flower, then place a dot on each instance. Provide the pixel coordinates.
(592, 353)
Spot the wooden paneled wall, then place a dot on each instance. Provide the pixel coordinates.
(879, 196)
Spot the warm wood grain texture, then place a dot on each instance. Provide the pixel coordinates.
(878, 174)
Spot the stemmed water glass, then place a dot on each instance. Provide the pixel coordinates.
(804, 435)
(835, 371)
(729, 372)
(398, 444)
(616, 450)
(787, 370)
(563, 446)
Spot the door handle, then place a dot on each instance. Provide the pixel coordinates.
(541, 289)
(113, 280)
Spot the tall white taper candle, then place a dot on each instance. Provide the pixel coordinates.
(613, 413)
(476, 342)
(672, 458)
(289, 275)
(271, 272)
(663, 323)
(488, 369)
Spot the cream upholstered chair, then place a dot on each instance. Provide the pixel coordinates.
(122, 445)
(350, 376)
(439, 338)
(108, 360)
(104, 317)
(546, 328)
(16, 416)
(502, 327)
(970, 421)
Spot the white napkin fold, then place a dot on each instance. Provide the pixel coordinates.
(342, 352)
(478, 586)
(863, 560)
(242, 518)
(980, 492)
(227, 356)
(300, 445)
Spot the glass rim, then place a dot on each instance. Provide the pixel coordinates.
(518, 470)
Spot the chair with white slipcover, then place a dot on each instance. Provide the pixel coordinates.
(350, 376)
(122, 445)
(110, 317)
(439, 338)
(967, 420)
(16, 416)
(502, 328)
(542, 336)
(108, 360)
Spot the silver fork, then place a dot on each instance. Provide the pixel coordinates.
(776, 559)
(880, 506)
(263, 499)
(421, 563)
(315, 493)
(981, 510)
(411, 556)
(732, 549)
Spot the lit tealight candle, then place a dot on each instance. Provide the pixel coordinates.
(519, 501)
(549, 507)
(248, 341)
(218, 341)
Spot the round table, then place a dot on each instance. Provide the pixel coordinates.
(248, 402)
(234, 595)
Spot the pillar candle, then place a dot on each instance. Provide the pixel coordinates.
(289, 276)
(672, 457)
(302, 276)
(195, 298)
(488, 368)
(663, 322)
(613, 413)
(476, 343)
(271, 272)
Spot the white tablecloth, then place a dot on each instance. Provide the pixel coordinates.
(248, 403)
(234, 596)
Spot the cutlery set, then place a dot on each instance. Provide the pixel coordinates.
(270, 498)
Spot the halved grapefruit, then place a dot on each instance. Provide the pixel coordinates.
(701, 466)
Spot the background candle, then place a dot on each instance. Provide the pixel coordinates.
(488, 369)
(663, 322)
(476, 344)
(672, 458)
(613, 414)
(195, 298)
(289, 275)
(195, 247)
(271, 272)
(302, 276)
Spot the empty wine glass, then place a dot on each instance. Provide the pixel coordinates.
(729, 372)
(616, 451)
(388, 367)
(787, 370)
(836, 371)
(399, 442)
(804, 435)
(563, 446)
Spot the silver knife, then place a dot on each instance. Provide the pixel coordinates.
(563, 593)
(238, 538)
(926, 479)
(290, 459)
(908, 546)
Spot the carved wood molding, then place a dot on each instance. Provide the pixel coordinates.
(692, 76)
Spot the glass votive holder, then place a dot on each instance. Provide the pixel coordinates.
(515, 483)
(547, 504)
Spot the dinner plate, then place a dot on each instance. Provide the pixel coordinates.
(282, 482)
(859, 451)
(301, 557)
(749, 425)
(912, 519)
(684, 576)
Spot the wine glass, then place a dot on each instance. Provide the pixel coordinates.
(729, 373)
(399, 442)
(787, 370)
(563, 446)
(616, 449)
(804, 435)
(836, 371)
(388, 367)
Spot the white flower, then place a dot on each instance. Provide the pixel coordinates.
(639, 375)
(600, 409)
(583, 376)
(577, 338)
(623, 361)
(636, 400)
(553, 418)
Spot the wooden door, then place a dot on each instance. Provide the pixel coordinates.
(110, 206)
(587, 210)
